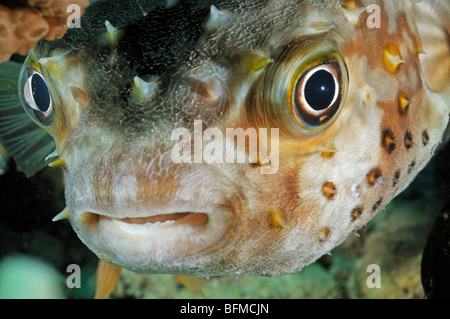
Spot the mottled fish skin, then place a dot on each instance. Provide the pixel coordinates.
(236, 71)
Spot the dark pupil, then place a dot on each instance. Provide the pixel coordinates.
(40, 93)
(319, 90)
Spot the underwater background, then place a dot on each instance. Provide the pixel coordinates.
(35, 252)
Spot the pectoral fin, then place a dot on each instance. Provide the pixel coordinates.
(24, 141)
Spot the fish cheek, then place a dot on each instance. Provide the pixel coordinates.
(59, 129)
(277, 197)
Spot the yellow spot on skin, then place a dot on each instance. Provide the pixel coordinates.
(419, 47)
(373, 176)
(356, 212)
(388, 141)
(329, 190)
(54, 68)
(326, 154)
(263, 161)
(392, 58)
(349, 5)
(365, 96)
(277, 218)
(324, 234)
(58, 163)
(403, 102)
(255, 62)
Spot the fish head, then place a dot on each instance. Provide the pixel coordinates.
(250, 137)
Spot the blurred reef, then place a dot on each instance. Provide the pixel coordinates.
(24, 23)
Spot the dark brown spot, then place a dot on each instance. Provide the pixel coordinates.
(411, 166)
(373, 176)
(329, 190)
(388, 141)
(377, 204)
(425, 138)
(396, 179)
(356, 212)
(324, 234)
(408, 140)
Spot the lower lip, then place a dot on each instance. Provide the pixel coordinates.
(152, 242)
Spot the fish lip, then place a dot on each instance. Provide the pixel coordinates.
(179, 206)
(177, 213)
(162, 218)
(195, 219)
(156, 247)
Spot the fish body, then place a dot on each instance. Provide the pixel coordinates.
(340, 92)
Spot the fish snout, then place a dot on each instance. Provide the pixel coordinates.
(153, 220)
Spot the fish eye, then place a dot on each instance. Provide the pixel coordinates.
(317, 95)
(35, 97)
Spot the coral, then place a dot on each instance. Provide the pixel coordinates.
(23, 25)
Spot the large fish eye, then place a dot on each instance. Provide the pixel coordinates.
(35, 97)
(317, 95)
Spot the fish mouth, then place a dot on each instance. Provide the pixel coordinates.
(156, 241)
(192, 219)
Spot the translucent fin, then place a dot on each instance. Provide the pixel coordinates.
(23, 140)
(191, 283)
(107, 278)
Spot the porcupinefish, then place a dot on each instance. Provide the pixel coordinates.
(356, 90)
